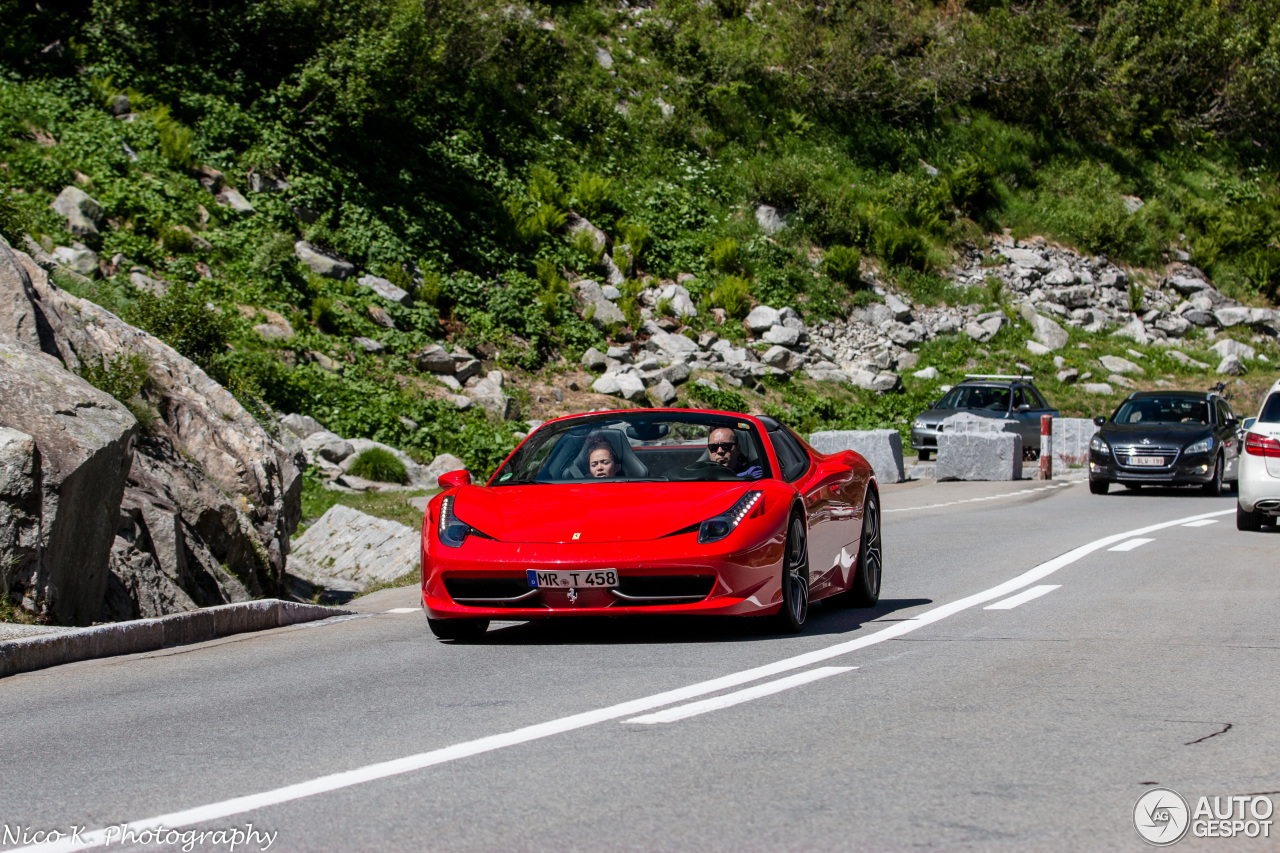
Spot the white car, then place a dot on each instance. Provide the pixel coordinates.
(1259, 493)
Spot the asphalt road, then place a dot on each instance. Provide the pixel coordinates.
(931, 721)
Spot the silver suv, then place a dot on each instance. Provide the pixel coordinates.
(1008, 398)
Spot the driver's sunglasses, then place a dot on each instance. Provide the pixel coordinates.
(721, 447)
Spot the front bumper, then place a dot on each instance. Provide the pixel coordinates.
(669, 575)
(1188, 470)
(924, 439)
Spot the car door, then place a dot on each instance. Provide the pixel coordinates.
(823, 486)
(1225, 429)
(1025, 411)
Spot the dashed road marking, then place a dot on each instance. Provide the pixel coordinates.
(728, 700)
(410, 763)
(405, 610)
(1201, 523)
(1022, 597)
(986, 498)
(1131, 544)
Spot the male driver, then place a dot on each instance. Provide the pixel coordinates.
(722, 449)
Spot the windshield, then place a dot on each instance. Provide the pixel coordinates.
(976, 397)
(1162, 410)
(638, 447)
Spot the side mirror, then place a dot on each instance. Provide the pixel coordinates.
(1024, 408)
(1100, 420)
(1248, 422)
(454, 479)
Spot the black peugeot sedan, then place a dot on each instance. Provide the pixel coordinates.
(1168, 438)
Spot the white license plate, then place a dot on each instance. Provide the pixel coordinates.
(599, 579)
(1154, 461)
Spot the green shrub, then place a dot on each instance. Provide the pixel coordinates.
(379, 465)
(725, 256)
(428, 292)
(183, 319)
(177, 240)
(718, 398)
(636, 237)
(594, 197)
(14, 221)
(1136, 294)
(863, 298)
(175, 138)
(122, 376)
(733, 294)
(842, 264)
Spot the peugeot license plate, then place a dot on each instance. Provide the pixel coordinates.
(1152, 461)
(600, 579)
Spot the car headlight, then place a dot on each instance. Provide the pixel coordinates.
(718, 527)
(1099, 444)
(1204, 445)
(919, 425)
(451, 530)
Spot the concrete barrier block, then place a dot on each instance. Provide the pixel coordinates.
(247, 616)
(979, 456)
(292, 613)
(195, 626)
(1070, 446)
(880, 447)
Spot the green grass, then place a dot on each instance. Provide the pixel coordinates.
(394, 506)
(380, 466)
(11, 612)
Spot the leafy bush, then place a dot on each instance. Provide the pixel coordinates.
(718, 398)
(842, 264)
(185, 319)
(733, 294)
(725, 256)
(122, 376)
(178, 240)
(380, 466)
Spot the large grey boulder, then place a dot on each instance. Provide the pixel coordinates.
(1027, 259)
(488, 394)
(1227, 346)
(1044, 330)
(65, 453)
(769, 219)
(681, 302)
(670, 346)
(880, 447)
(301, 425)
(419, 477)
(77, 258)
(385, 289)
(1069, 446)
(212, 498)
(83, 213)
(1116, 364)
(762, 318)
(322, 264)
(346, 549)
(979, 456)
(1231, 365)
(603, 312)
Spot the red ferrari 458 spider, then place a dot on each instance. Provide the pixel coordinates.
(652, 511)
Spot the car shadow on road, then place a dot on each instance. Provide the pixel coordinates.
(1165, 492)
(824, 619)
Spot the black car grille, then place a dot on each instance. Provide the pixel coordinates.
(1122, 452)
(632, 591)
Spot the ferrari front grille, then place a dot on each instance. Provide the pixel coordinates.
(662, 589)
(489, 592)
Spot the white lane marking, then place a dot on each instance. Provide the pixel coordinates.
(1022, 597)
(408, 764)
(1201, 523)
(1131, 544)
(985, 498)
(693, 709)
(405, 610)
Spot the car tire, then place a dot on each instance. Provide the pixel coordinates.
(795, 579)
(922, 455)
(1245, 520)
(1213, 488)
(458, 629)
(865, 588)
(1099, 487)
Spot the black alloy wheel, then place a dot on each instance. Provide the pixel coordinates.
(458, 629)
(865, 590)
(1213, 488)
(1247, 521)
(1099, 487)
(795, 579)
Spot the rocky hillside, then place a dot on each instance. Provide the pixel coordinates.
(418, 230)
(110, 512)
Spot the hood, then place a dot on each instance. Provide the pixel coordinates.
(607, 512)
(1178, 435)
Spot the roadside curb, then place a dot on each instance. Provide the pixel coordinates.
(146, 635)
